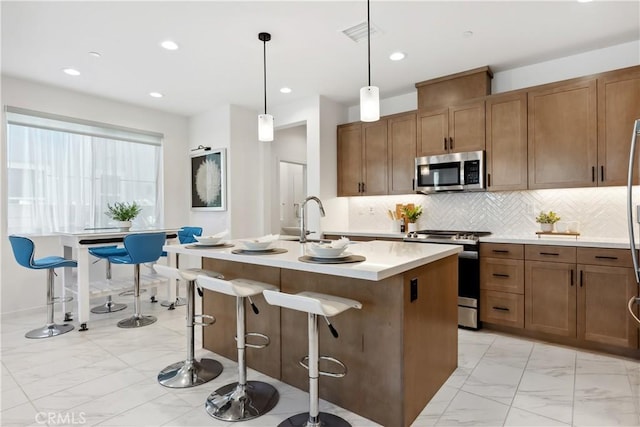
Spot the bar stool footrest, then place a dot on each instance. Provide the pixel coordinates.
(58, 300)
(256, 334)
(304, 362)
(209, 320)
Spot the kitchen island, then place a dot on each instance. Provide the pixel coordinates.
(399, 349)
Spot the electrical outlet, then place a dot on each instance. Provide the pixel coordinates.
(414, 290)
(370, 210)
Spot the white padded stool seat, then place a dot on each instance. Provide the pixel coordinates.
(311, 302)
(183, 274)
(234, 287)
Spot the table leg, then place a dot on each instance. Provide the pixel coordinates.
(67, 280)
(83, 268)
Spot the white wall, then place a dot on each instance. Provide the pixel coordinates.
(16, 283)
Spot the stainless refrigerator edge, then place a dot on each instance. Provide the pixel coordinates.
(632, 238)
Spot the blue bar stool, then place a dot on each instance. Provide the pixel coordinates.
(314, 304)
(185, 235)
(242, 400)
(141, 248)
(104, 252)
(23, 251)
(190, 372)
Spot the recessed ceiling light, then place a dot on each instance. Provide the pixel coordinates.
(397, 56)
(585, 1)
(156, 94)
(169, 45)
(285, 90)
(71, 71)
(95, 54)
(467, 34)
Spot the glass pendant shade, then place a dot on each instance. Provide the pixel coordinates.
(369, 104)
(265, 127)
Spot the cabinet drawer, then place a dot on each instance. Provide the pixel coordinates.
(501, 250)
(506, 275)
(604, 256)
(550, 253)
(502, 308)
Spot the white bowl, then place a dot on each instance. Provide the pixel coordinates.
(253, 245)
(208, 240)
(325, 250)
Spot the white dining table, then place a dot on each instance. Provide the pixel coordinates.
(81, 241)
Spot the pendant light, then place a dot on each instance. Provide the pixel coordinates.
(265, 121)
(369, 95)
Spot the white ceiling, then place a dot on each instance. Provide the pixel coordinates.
(220, 59)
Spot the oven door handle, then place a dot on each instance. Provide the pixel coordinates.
(468, 255)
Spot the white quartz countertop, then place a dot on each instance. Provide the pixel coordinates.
(594, 242)
(532, 239)
(383, 258)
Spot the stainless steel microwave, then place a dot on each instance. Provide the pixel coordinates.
(450, 172)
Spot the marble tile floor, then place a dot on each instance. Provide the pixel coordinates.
(107, 377)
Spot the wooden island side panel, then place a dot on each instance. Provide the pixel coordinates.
(398, 352)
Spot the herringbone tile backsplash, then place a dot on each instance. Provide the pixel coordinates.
(601, 212)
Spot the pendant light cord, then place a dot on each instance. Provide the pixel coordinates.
(368, 43)
(264, 43)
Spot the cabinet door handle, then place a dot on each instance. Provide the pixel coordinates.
(450, 143)
(606, 257)
(593, 174)
(602, 173)
(500, 251)
(501, 308)
(445, 143)
(413, 184)
(359, 187)
(488, 180)
(363, 188)
(581, 271)
(571, 278)
(549, 253)
(500, 275)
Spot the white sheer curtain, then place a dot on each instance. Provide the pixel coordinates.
(61, 180)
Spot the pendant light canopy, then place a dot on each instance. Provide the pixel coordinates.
(265, 121)
(369, 95)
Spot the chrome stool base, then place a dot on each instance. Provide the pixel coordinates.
(137, 321)
(177, 303)
(108, 307)
(324, 420)
(233, 402)
(189, 374)
(49, 331)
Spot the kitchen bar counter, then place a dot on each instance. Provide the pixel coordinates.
(399, 348)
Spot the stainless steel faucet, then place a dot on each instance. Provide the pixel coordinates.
(303, 216)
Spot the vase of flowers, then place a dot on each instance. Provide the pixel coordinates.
(412, 213)
(123, 213)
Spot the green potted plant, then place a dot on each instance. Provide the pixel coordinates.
(547, 220)
(412, 213)
(123, 213)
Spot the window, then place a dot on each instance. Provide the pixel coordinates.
(63, 172)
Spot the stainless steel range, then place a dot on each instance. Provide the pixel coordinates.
(468, 268)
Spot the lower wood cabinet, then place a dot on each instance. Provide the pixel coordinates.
(575, 293)
(550, 297)
(603, 294)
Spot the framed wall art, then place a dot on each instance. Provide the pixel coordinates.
(208, 180)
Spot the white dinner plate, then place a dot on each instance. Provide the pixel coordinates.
(210, 245)
(340, 256)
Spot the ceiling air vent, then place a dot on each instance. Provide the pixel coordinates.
(359, 32)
